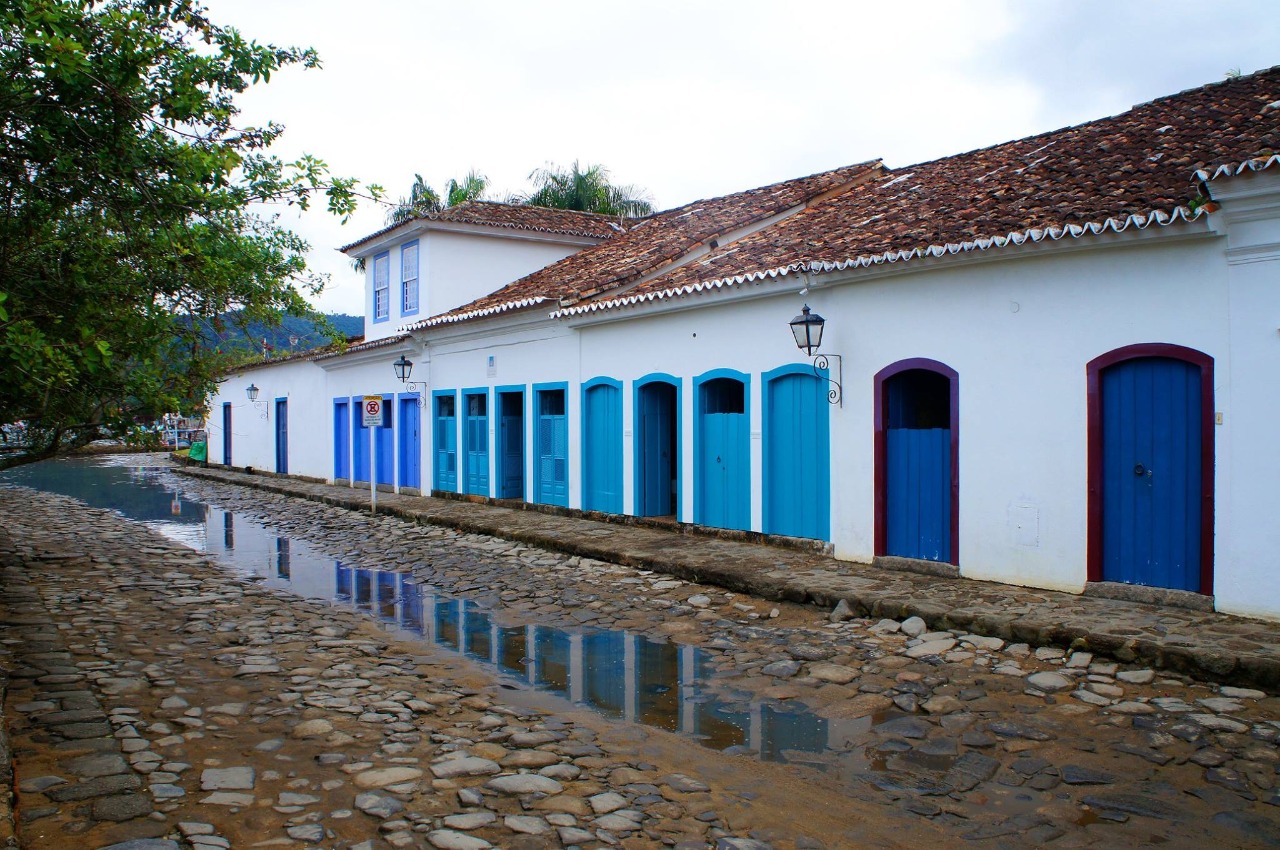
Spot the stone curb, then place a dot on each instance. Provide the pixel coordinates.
(1210, 659)
(8, 831)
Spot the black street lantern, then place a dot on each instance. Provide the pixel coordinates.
(404, 368)
(252, 392)
(807, 328)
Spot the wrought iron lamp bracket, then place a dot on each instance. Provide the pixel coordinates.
(822, 368)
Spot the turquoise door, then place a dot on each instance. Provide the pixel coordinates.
(602, 448)
(446, 443)
(511, 445)
(723, 486)
(658, 451)
(1151, 473)
(282, 436)
(341, 439)
(797, 455)
(409, 443)
(475, 443)
(552, 440)
(917, 463)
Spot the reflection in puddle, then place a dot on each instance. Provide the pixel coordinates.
(619, 674)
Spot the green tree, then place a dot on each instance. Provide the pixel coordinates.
(127, 208)
(423, 200)
(586, 190)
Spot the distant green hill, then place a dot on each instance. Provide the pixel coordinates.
(250, 338)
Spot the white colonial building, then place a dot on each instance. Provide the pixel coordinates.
(1047, 363)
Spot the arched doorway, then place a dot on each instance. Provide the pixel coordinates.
(722, 472)
(797, 453)
(657, 415)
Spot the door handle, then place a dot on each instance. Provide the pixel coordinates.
(1139, 470)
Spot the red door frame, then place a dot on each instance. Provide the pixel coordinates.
(1093, 374)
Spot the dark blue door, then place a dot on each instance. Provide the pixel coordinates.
(360, 450)
(602, 449)
(386, 443)
(410, 443)
(226, 433)
(341, 439)
(446, 444)
(553, 448)
(475, 443)
(282, 435)
(724, 462)
(1151, 484)
(917, 463)
(658, 458)
(796, 455)
(511, 440)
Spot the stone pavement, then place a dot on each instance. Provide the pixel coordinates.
(1205, 645)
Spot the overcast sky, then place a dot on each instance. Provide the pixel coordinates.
(696, 99)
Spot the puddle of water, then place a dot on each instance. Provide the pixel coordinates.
(621, 675)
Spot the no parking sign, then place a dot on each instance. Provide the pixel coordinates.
(372, 410)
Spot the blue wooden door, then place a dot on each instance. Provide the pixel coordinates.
(360, 449)
(446, 444)
(917, 465)
(511, 440)
(282, 436)
(553, 448)
(226, 433)
(386, 458)
(797, 456)
(602, 449)
(724, 493)
(341, 439)
(475, 443)
(410, 443)
(658, 458)
(1151, 479)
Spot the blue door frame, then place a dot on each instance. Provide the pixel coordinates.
(602, 445)
(226, 433)
(444, 443)
(282, 436)
(511, 457)
(360, 442)
(796, 432)
(917, 446)
(659, 464)
(551, 444)
(1151, 450)
(409, 441)
(722, 449)
(475, 441)
(341, 438)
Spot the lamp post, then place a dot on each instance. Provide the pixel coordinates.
(261, 406)
(807, 329)
(404, 369)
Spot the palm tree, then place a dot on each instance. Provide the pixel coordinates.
(584, 190)
(472, 188)
(423, 200)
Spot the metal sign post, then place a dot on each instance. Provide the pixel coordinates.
(372, 406)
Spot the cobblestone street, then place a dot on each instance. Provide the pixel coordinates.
(157, 698)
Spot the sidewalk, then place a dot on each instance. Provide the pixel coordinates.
(1205, 645)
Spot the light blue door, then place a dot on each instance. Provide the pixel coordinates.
(410, 443)
(282, 436)
(341, 439)
(553, 448)
(1151, 457)
(602, 449)
(917, 463)
(387, 442)
(657, 468)
(797, 454)
(511, 442)
(724, 461)
(475, 443)
(446, 444)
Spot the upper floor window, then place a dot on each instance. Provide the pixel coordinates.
(382, 287)
(409, 278)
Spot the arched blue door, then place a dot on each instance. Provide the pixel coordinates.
(797, 454)
(475, 443)
(723, 482)
(917, 430)
(602, 446)
(1152, 453)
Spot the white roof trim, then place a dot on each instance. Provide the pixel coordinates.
(452, 318)
(1261, 163)
(1031, 236)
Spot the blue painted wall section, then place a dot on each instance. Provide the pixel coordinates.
(602, 445)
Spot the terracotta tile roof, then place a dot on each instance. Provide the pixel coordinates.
(357, 345)
(1135, 169)
(515, 217)
(654, 242)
